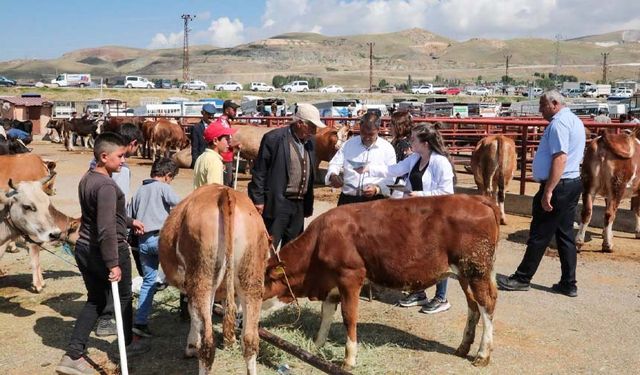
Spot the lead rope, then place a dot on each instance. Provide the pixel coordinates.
(286, 280)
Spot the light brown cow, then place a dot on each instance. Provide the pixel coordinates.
(213, 232)
(405, 244)
(69, 230)
(493, 164)
(26, 167)
(24, 212)
(166, 135)
(610, 168)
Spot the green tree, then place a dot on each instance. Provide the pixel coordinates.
(383, 83)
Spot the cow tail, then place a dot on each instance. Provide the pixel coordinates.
(227, 203)
(501, 168)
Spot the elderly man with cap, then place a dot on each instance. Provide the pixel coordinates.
(228, 113)
(198, 145)
(282, 177)
(209, 167)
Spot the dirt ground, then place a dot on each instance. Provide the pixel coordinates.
(536, 332)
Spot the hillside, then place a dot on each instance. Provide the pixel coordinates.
(345, 59)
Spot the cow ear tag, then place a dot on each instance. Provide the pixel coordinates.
(279, 270)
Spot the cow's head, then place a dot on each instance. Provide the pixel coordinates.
(28, 211)
(16, 146)
(343, 134)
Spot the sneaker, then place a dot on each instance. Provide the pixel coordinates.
(106, 327)
(142, 330)
(161, 286)
(136, 348)
(567, 290)
(414, 299)
(436, 305)
(70, 366)
(512, 283)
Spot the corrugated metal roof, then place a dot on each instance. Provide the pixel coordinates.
(27, 102)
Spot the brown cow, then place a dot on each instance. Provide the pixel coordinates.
(26, 167)
(165, 136)
(213, 232)
(69, 229)
(610, 168)
(83, 127)
(493, 164)
(453, 234)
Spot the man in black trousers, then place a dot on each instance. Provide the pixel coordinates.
(282, 177)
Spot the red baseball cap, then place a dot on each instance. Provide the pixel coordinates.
(215, 131)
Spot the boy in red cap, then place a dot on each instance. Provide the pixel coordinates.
(209, 167)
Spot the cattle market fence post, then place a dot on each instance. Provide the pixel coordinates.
(296, 351)
(124, 370)
(523, 159)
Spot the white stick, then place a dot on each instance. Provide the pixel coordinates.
(121, 344)
(235, 180)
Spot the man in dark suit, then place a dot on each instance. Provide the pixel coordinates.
(198, 144)
(281, 185)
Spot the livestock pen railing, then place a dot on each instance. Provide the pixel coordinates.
(460, 135)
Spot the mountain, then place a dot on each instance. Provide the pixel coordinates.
(345, 59)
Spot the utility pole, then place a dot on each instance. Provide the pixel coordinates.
(506, 69)
(185, 46)
(370, 44)
(604, 66)
(557, 58)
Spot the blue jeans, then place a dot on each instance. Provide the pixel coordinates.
(148, 248)
(441, 289)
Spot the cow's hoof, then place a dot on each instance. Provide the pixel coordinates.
(36, 290)
(503, 222)
(607, 249)
(481, 362)
(637, 234)
(347, 367)
(462, 351)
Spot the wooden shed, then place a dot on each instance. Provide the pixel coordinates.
(27, 107)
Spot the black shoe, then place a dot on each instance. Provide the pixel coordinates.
(512, 283)
(142, 330)
(106, 327)
(567, 290)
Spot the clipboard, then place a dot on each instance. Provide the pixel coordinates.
(357, 164)
(399, 187)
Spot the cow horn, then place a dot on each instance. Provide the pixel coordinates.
(48, 178)
(13, 190)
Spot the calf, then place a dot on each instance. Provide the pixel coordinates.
(213, 232)
(405, 244)
(12, 146)
(166, 135)
(69, 230)
(83, 127)
(493, 164)
(610, 168)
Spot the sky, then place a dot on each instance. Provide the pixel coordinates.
(49, 28)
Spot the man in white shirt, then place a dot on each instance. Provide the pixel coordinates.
(359, 151)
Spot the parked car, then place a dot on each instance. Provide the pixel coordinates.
(483, 91)
(452, 91)
(4, 81)
(228, 86)
(296, 86)
(535, 91)
(135, 82)
(260, 86)
(572, 93)
(332, 88)
(194, 84)
(163, 83)
(621, 93)
(424, 89)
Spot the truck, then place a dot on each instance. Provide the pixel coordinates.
(597, 91)
(73, 79)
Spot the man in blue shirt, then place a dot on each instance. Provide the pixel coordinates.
(556, 166)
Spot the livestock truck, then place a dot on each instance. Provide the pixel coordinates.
(66, 80)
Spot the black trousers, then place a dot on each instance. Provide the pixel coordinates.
(558, 222)
(346, 199)
(288, 222)
(227, 174)
(96, 279)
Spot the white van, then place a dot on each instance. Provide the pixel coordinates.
(135, 82)
(296, 86)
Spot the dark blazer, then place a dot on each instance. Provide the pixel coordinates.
(198, 145)
(270, 173)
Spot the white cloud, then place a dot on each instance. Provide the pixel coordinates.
(224, 33)
(455, 19)
(171, 40)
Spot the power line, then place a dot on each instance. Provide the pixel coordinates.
(371, 44)
(604, 66)
(185, 46)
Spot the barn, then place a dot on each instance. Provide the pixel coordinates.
(27, 107)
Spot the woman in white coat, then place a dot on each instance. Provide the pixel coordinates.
(428, 171)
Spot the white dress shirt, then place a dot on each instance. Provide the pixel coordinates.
(436, 180)
(380, 152)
